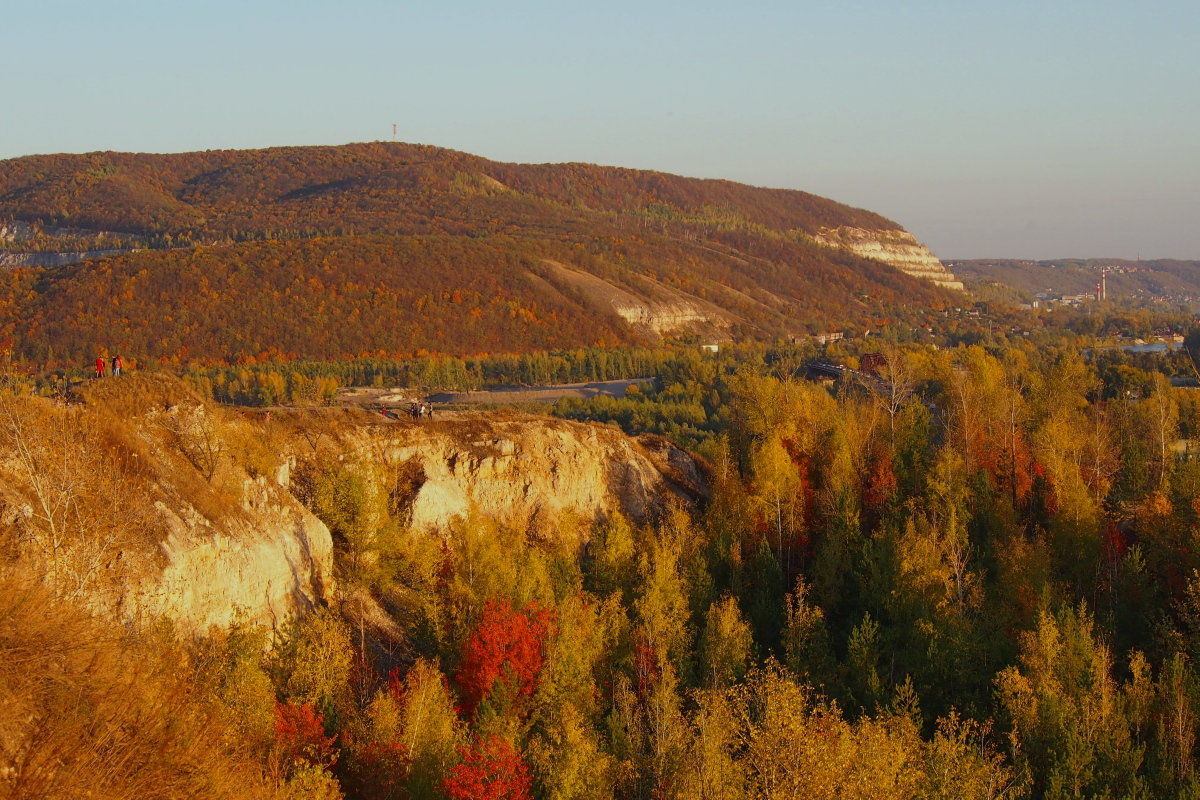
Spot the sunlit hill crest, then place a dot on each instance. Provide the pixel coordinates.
(396, 248)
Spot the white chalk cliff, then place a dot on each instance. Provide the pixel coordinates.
(208, 547)
(896, 247)
(523, 470)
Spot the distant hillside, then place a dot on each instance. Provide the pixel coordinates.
(377, 188)
(396, 248)
(1166, 280)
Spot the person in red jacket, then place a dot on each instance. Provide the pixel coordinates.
(99, 366)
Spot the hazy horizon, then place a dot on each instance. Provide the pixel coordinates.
(1029, 131)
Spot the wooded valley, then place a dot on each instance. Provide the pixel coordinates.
(980, 583)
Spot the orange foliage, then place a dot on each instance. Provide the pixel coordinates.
(300, 735)
(507, 647)
(327, 252)
(491, 769)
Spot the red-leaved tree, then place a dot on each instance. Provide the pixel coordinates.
(491, 769)
(300, 735)
(506, 648)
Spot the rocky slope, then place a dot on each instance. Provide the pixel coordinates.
(26, 244)
(56, 259)
(652, 308)
(896, 247)
(520, 470)
(151, 504)
(265, 564)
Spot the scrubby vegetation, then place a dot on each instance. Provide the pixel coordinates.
(93, 710)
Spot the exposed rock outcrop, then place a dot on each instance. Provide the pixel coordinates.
(17, 260)
(192, 513)
(59, 246)
(896, 247)
(267, 564)
(273, 559)
(523, 470)
(16, 231)
(654, 307)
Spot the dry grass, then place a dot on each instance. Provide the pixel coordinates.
(72, 484)
(79, 484)
(91, 710)
(195, 447)
(135, 394)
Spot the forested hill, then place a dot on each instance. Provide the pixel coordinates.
(377, 187)
(397, 248)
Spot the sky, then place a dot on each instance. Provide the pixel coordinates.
(1010, 129)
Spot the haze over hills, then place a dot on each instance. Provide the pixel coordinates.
(390, 248)
(1172, 281)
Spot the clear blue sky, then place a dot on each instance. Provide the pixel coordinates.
(989, 129)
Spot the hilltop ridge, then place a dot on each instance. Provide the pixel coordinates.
(240, 192)
(396, 248)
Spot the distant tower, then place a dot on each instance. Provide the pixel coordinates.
(393, 131)
(1104, 284)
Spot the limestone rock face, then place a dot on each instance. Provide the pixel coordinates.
(15, 231)
(662, 318)
(19, 231)
(656, 309)
(112, 502)
(274, 560)
(896, 247)
(529, 471)
(20, 260)
(213, 530)
(271, 558)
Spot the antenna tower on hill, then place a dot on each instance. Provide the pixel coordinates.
(393, 131)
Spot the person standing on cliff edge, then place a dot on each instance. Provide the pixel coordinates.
(99, 366)
(117, 364)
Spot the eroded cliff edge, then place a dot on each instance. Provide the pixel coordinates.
(896, 247)
(517, 469)
(149, 503)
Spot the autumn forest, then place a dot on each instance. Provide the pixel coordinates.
(981, 582)
(968, 567)
(395, 250)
